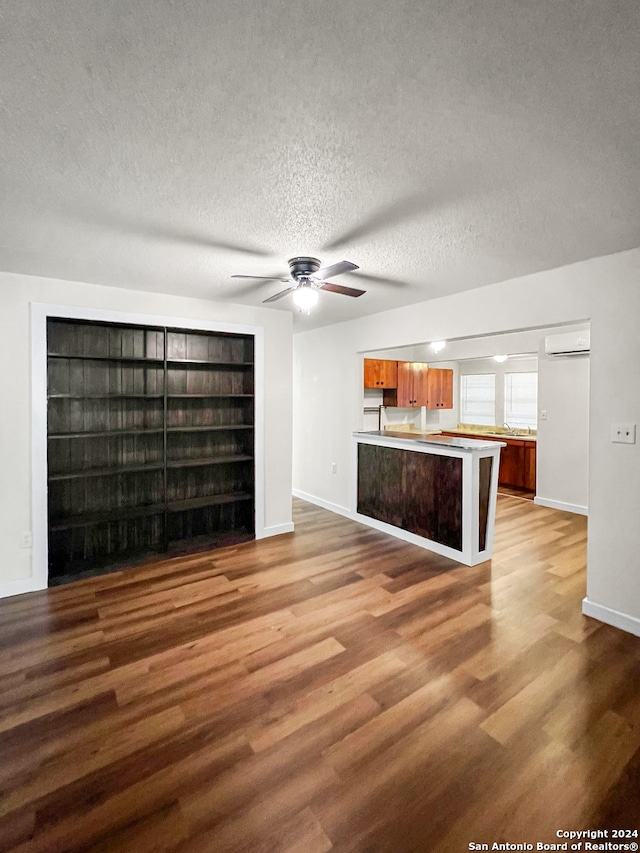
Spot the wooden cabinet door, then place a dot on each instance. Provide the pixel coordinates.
(512, 464)
(388, 374)
(421, 389)
(440, 388)
(445, 395)
(404, 397)
(380, 373)
(530, 466)
(371, 373)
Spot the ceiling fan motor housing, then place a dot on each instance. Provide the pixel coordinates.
(303, 267)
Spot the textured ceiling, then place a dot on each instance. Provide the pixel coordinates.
(440, 145)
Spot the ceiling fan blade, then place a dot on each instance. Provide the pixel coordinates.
(280, 295)
(263, 277)
(339, 288)
(336, 269)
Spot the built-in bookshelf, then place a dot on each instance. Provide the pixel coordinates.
(150, 442)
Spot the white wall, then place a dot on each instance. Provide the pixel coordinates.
(606, 291)
(16, 294)
(563, 437)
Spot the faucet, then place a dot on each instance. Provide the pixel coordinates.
(509, 429)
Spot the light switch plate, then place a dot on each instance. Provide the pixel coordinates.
(623, 433)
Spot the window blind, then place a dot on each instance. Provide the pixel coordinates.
(521, 399)
(478, 398)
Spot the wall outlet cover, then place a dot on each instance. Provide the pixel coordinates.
(623, 433)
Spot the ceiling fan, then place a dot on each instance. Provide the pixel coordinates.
(306, 279)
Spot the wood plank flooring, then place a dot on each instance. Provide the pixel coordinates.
(331, 690)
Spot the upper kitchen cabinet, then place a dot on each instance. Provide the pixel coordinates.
(379, 373)
(440, 388)
(419, 385)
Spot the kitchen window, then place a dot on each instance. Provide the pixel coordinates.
(521, 399)
(478, 398)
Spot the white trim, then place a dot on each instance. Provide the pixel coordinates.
(276, 530)
(39, 314)
(312, 499)
(575, 508)
(414, 539)
(623, 621)
(19, 587)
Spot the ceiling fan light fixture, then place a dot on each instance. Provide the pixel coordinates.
(305, 297)
(437, 346)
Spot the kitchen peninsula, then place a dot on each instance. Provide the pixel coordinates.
(435, 491)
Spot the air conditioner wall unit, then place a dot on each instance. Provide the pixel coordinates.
(568, 343)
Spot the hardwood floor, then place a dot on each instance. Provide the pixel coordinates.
(330, 690)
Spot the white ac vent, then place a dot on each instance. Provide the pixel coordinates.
(568, 343)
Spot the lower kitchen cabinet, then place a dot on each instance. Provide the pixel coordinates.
(530, 465)
(517, 460)
(512, 464)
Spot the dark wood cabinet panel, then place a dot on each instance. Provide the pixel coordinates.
(150, 442)
(485, 468)
(418, 492)
(380, 373)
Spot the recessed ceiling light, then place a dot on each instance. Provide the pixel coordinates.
(500, 357)
(436, 346)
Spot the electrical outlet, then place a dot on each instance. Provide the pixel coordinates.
(27, 540)
(623, 433)
(334, 468)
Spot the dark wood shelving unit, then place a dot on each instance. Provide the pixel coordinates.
(151, 443)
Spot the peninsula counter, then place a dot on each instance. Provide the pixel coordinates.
(435, 491)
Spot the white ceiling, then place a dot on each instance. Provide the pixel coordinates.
(441, 145)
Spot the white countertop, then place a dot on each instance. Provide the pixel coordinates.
(437, 440)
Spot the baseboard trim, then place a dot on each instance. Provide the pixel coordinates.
(312, 499)
(19, 587)
(276, 530)
(575, 508)
(623, 621)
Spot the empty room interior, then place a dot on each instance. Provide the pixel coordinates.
(319, 331)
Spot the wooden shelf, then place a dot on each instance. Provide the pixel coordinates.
(208, 500)
(217, 428)
(108, 471)
(209, 460)
(106, 396)
(124, 513)
(198, 362)
(86, 519)
(115, 470)
(106, 433)
(116, 358)
(208, 396)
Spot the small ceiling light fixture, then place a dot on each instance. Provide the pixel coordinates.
(500, 358)
(437, 346)
(305, 297)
